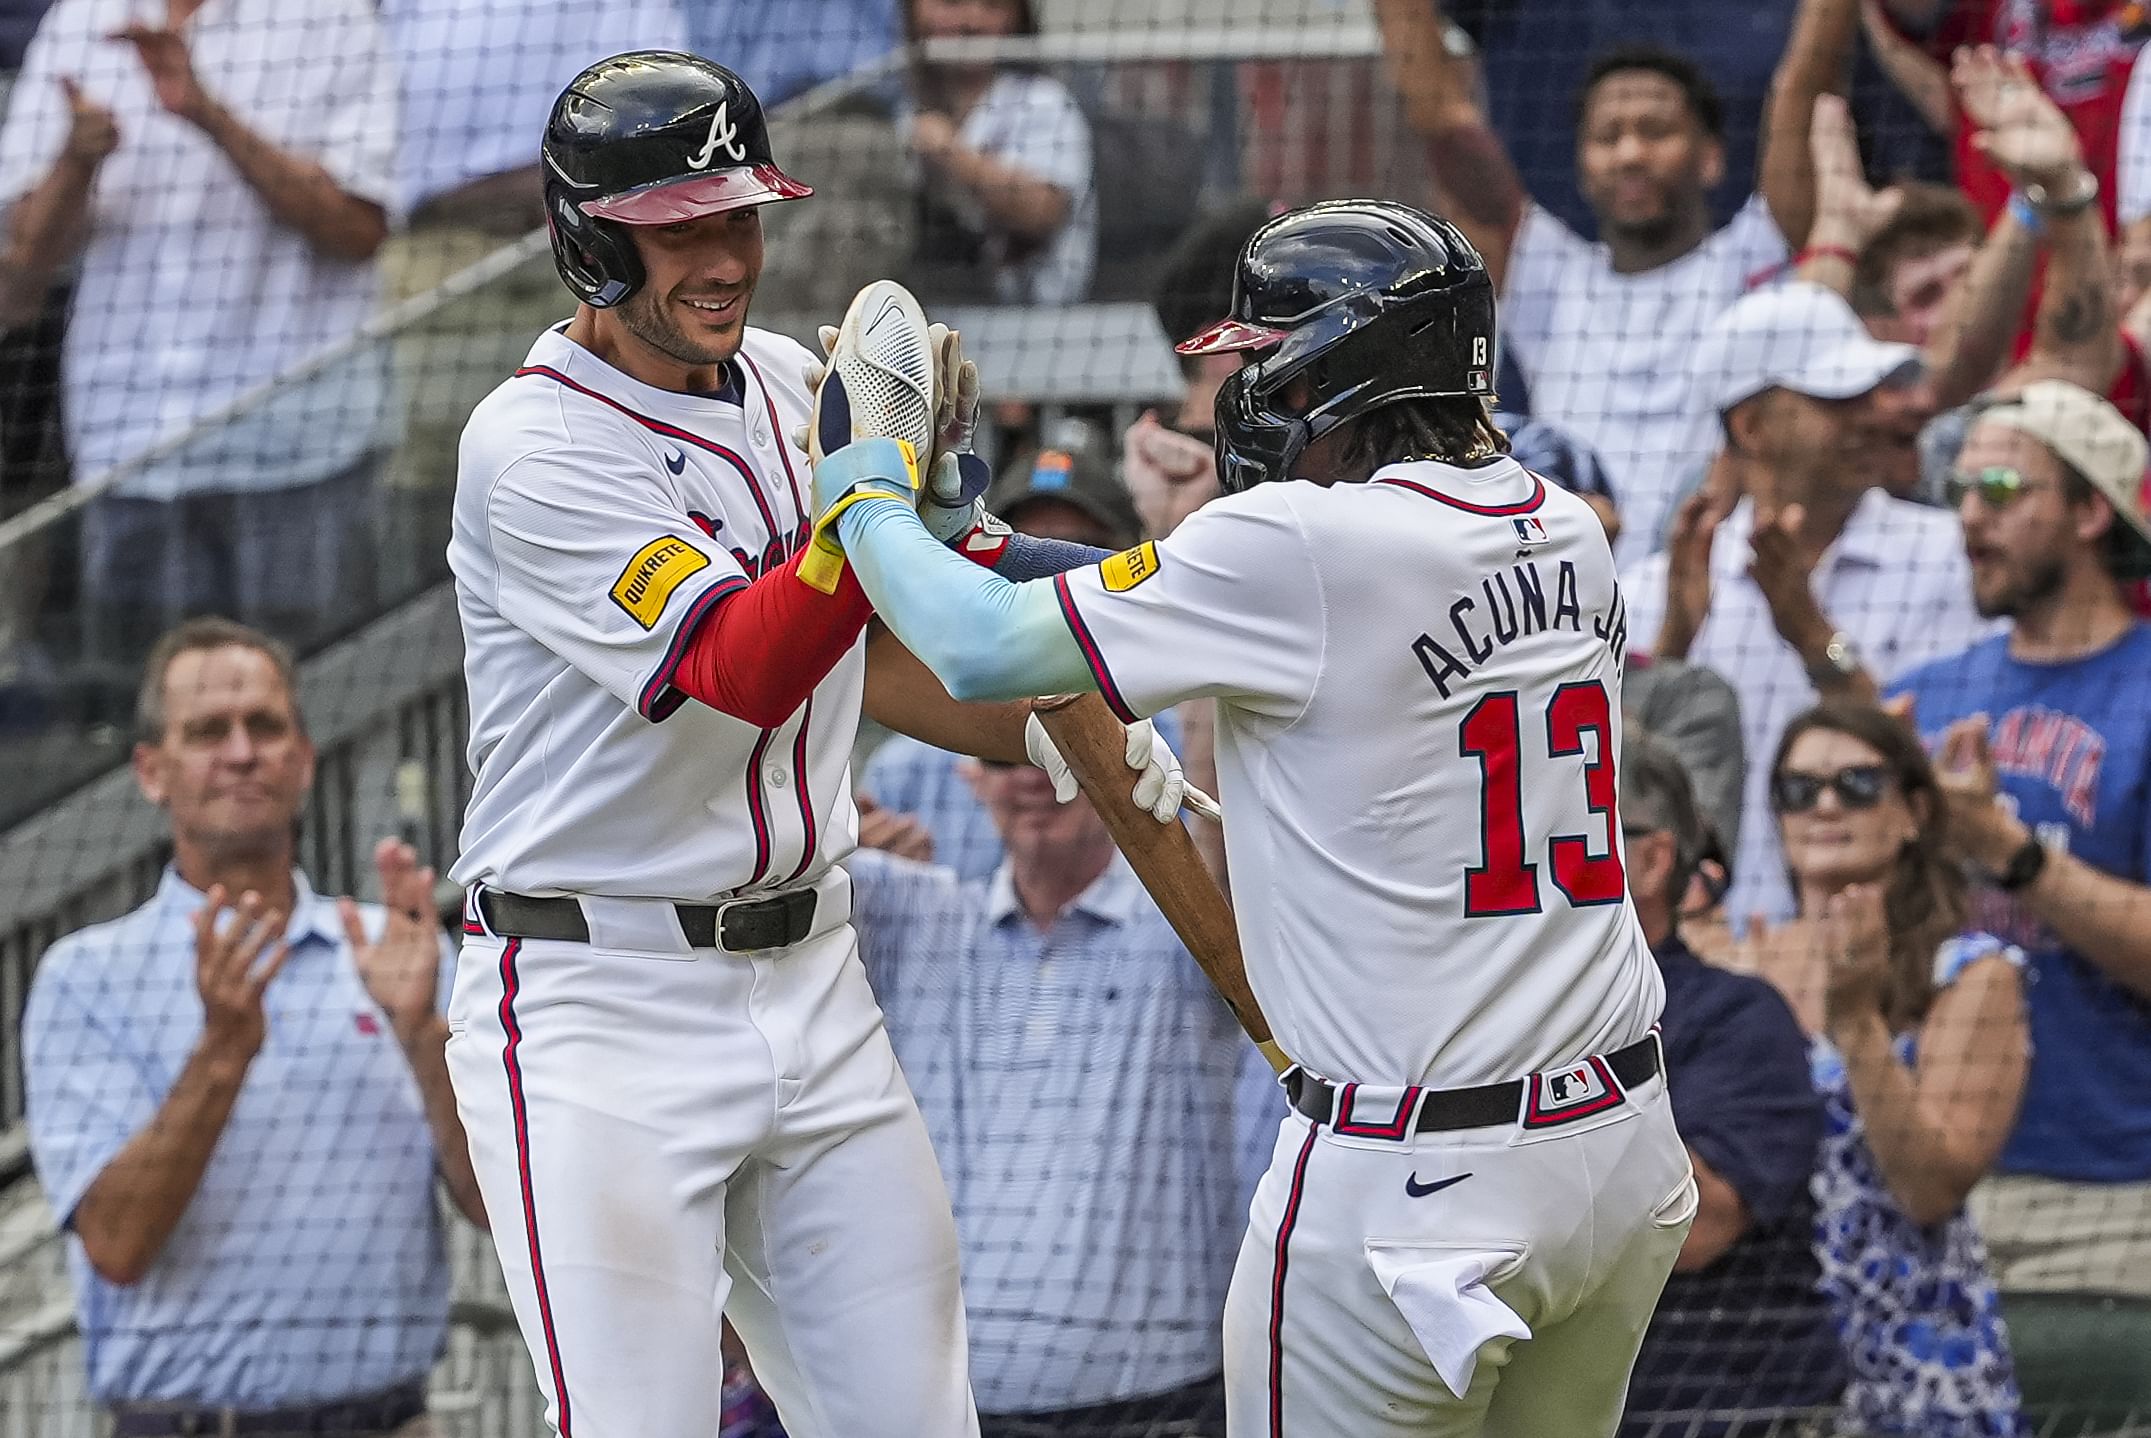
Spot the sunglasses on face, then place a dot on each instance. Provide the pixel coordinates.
(1859, 787)
(1998, 486)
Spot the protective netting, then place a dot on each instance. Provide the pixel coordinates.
(1834, 315)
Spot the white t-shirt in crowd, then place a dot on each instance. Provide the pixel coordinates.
(480, 76)
(1032, 122)
(1896, 581)
(191, 293)
(1609, 355)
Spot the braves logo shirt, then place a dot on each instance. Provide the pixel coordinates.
(598, 521)
(1418, 686)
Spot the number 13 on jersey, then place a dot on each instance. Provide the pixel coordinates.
(1507, 879)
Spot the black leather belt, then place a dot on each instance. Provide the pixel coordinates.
(379, 1413)
(1480, 1107)
(739, 927)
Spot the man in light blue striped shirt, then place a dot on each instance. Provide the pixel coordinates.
(1077, 1074)
(238, 1100)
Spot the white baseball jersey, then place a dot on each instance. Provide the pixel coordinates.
(1418, 729)
(598, 520)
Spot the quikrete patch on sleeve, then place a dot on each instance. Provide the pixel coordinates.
(1123, 571)
(658, 568)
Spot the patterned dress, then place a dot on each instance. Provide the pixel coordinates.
(1916, 1307)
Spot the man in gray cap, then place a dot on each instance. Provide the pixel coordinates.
(2044, 758)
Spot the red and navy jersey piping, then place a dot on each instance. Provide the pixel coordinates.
(1092, 655)
(1490, 511)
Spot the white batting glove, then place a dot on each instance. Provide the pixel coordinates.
(1159, 785)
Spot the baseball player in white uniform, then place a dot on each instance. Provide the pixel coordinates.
(680, 1101)
(1479, 1193)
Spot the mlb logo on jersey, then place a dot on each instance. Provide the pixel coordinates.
(1530, 532)
(1568, 1094)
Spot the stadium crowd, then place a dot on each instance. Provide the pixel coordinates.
(1835, 310)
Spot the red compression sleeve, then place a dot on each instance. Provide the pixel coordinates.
(758, 654)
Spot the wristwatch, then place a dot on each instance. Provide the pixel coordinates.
(1840, 662)
(2078, 198)
(2024, 867)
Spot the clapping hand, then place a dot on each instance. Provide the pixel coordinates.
(1782, 569)
(1855, 936)
(1981, 828)
(402, 967)
(163, 51)
(1169, 474)
(92, 132)
(1848, 211)
(1688, 547)
(2017, 126)
(230, 972)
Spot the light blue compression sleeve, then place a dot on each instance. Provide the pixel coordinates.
(984, 638)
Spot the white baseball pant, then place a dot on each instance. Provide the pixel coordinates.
(1387, 1285)
(664, 1138)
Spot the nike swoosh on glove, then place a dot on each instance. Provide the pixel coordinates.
(1159, 784)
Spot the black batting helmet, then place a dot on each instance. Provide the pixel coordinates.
(651, 137)
(1365, 302)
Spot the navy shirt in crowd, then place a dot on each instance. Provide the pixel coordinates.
(2073, 752)
(1752, 1331)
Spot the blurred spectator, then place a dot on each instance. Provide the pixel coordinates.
(2045, 761)
(1814, 580)
(1077, 1073)
(1694, 713)
(917, 793)
(786, 50)
(1906, 272)
(1603, 332)
(1532, 49)
(224, 177)
(2080, 52)
(1919, 1052)
(1009, 191)
(238, 1099)
(477, 80)
(1741, 1325)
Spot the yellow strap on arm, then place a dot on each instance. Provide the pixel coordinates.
(823, 564)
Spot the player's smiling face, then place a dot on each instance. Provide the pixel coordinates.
(700, 276)
(1644, 159)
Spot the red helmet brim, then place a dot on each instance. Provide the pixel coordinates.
(1230, 334)
(671, 201)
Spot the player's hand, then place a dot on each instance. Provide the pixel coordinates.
(893, 833)
(92, 131)
(163, 51)
(1169, 475)
(1160, 786)
(402, 968)
(231, 973)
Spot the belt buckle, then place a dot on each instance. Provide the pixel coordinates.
(793, 909)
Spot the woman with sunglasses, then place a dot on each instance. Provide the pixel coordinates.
(1919, 1050)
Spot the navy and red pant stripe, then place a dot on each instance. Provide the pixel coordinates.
(510, 986)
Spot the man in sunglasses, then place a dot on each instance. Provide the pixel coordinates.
(2043, 740)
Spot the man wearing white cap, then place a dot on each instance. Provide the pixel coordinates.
(2044, 757)
(1816, 580)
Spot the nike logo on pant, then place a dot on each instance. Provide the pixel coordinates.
(1415, 1189)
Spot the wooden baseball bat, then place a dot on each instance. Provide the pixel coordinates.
(1163, 855)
